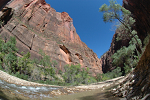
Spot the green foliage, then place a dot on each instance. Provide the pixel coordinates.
(7, 55)
(60, 72)
(127, 68)
(116, 11)
(113, 11)
(75, 75)
(109, 75)
(23, 64)
(22, 76)
(47, 64)
(116, 72)
(146, 40)
(126, 56)
(42, 70)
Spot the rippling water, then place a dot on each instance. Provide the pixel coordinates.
(17, 92)
(27, 91)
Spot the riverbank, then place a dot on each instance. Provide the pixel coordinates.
(14, 80)
(62, 90)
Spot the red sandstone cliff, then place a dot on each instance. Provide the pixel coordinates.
(36, 25)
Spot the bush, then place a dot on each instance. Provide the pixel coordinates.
(23, 64)
(109, 75)
(75, 75)
(8, 56)
(127, 69)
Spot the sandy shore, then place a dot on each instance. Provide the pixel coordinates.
(14, 80)
(64, 90)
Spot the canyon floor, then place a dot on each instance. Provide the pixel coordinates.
(62, 90)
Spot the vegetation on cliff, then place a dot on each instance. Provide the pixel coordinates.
(43, 70)
(77, 75)
(126, 57)
(136, 86)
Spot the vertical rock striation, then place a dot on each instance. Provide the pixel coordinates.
(36, 25)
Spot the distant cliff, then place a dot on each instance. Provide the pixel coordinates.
(36, 25)
(115, 45)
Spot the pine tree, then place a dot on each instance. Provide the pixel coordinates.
(115, 11)
(126, 55)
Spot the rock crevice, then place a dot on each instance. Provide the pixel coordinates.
(36, 25)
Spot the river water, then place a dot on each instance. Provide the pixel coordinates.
(8, 90)
(88, 95)
(16, 92)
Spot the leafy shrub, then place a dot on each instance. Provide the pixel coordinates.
(23, 64)
(109, 75)
(7, 55)
(75, 75)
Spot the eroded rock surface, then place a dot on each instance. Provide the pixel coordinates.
(137, 85)
(36, 25)
(106, 59)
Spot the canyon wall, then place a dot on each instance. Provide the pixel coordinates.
(137, 84)
(115, 45)
(141, 26)
(36, 25)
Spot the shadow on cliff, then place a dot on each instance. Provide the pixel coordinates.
(6, 16)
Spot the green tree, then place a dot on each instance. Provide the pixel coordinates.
(8, 54)
(45, 61)
(75, 75)
(1, 54)
(23, 64)
(126, 56)
(115, 11)
(109, 75)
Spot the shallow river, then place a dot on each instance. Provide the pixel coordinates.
(15, 92)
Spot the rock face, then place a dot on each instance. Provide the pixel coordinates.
(141, 26)
(36, 25)
(115, 45)
(140, 11)
(3, 3)
(136, 86)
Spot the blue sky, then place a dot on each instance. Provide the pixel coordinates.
(88, 22)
